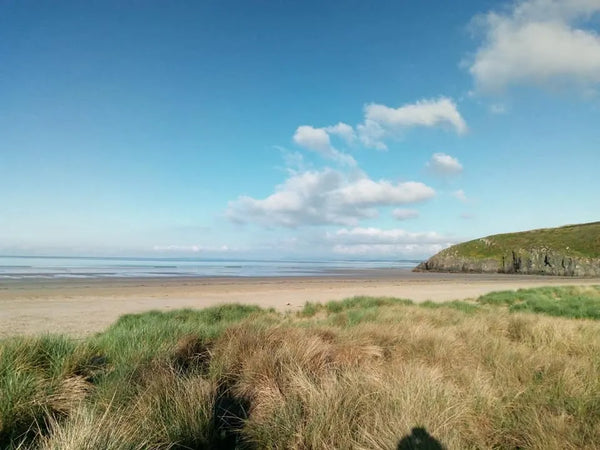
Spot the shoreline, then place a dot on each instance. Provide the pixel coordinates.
(80, 306)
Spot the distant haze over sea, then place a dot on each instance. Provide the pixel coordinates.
(48, 267)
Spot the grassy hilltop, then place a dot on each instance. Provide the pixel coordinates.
(509, 370)
(568, 250)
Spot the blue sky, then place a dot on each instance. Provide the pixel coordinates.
(280, 129)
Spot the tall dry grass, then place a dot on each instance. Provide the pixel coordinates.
(490, 380)
(359, 374)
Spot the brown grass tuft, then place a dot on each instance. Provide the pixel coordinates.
(191, 353)
(69, 394)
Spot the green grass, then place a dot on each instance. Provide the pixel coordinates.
(572, 240)
(358, 302)
(459, 305)
(364, 302)
(310, 309)
(496, 372)
(33, 370)
(30, 372)
(573, 302)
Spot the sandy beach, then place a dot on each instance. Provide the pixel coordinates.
(83, 306)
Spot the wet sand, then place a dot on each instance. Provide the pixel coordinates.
(83, 306)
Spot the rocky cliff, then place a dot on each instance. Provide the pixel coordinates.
(573, 250)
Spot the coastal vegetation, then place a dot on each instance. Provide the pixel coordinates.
(514, 369)
(568, 250)
(580, 240)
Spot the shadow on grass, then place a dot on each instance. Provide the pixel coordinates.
(229, 415)
(419, 439)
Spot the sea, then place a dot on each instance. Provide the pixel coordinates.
(51, 267)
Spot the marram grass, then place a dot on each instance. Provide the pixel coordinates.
(365, 373)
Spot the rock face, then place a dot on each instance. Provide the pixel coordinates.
(536, 262)
(514, 253)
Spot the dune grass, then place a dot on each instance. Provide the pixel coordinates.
(44, 378)
(573, 301)
(365, 373)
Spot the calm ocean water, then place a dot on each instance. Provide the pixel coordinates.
(21, 267)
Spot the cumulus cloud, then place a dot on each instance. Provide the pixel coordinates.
(426, 113)
(366, 192)
(382, 121)
(325, 197)
(443, 164)
(365, 241)
(371, 134)
(318, 140)
(538, 42)
(344, 131)
(460, 195)
(405, 214)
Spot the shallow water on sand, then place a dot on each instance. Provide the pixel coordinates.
(50, 267)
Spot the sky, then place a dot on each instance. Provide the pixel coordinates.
(254, 129)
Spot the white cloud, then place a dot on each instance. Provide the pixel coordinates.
(443, 164)
(367, 192)
(538, 42)
(426, 113)
(360, 241)
(369, 241)
(325, 197)
(371, 135)
(460, 195)
(405, 214)
(317, 140)
(555, 9)
(343, 130)
(371, 235)
(382, 121)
